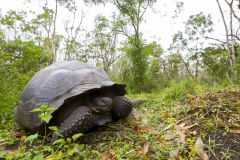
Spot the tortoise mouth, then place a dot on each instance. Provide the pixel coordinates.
(101, 110)
(99, 104)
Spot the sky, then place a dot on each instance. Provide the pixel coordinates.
(156, 26)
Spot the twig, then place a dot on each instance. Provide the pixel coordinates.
(183, 119)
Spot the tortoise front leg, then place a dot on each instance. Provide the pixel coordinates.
(122, 107)
(79, 121)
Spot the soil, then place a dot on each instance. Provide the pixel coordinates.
(218, 121)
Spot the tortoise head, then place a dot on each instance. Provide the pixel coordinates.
(99, 104)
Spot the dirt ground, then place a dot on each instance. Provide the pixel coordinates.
(218, 117)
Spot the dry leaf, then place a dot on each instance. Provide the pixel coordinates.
(112, 152)
(234, 131)
(141, 117)
(188, 127)
(181, 133)
(18, 134)
(150, 130)
(174, 154)
(23, 138)
(145, 146)
(191, 101)
(194, 133)
(146, 130)
(144, 149)
(136, 128)
(165, 115)
(19, 149)
(108, 156)
(125, 137)
(133, 120)
(169, 135)
(2, 140)
(197, 101)
(154, 111)
(164, 142)
(155, 132)
(199, 146)
(182, 125)
(197, 107)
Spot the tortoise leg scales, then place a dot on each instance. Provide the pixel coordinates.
(79, 121)
(122, 107)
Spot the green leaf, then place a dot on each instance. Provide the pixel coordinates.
(72, 150)
(69, 140)
(36, 110)
(59, 141)
(53, 128)
(44, 106)
(2, 154)
(54, 156)
(59, 134)
(31, 138)
(50, 109)
(38, 157)
(45, 117)
(76, 136)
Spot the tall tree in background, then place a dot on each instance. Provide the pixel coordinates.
(103, 45)
(133, 12)
(230, 33)
(76, 37)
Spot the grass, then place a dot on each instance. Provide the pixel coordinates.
(181, 122)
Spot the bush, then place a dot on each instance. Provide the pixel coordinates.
(177, 90)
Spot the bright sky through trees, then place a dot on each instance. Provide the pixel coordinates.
(157, 25)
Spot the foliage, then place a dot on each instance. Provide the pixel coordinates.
(199, 24)
(179, 90)
(19, 61)
(216, 64)
(139, 62)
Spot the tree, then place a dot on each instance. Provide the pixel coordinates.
(187, 51)
(103, 45)
(73, 41)
(230, 35)
(171, 67)
(215, 64)
(12, 23)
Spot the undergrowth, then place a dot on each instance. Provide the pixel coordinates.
(183, 121)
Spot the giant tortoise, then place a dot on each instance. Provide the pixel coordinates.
(83, 95)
